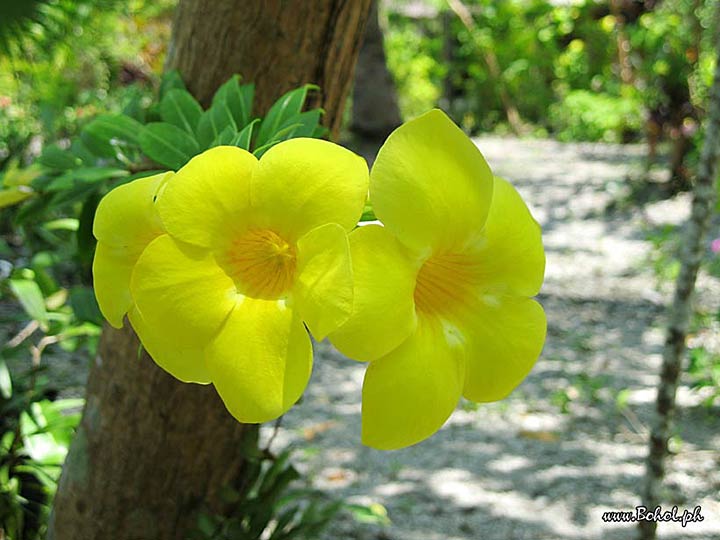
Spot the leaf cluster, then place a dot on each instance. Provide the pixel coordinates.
(267, 505)
(35, 433)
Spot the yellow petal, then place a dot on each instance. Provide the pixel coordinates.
(383, 313)
(127, 216)
(323, 290)
(261, 360)
(181, 292)
(208, 198)
(126, 221)
(303, 183)
(112, 268)
(184, 363)
(510, 251)
(410, 393)
(504, 338)
(430, 185)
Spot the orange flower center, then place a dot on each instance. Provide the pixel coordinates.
(261, 263)
(446, 283)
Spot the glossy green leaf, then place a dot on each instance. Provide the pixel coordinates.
(213, 122)
(244, 138)
(282, 110)
(225, 137)
(237, 98)
(180, 109)
(103, 135)
(167, 144)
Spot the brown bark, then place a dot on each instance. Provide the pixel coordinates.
(277, 44)
(150, 451)
(704, 194)
(623, 43)
(375, 106)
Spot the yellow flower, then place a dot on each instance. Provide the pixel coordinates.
(442, 303)
(219, 265)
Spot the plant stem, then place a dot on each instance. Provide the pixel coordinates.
(704, 194)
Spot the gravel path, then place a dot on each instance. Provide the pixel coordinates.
(547, 462)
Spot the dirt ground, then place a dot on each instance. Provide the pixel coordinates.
(523, 468)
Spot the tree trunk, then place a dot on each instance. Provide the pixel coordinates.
(150, 451)
(277, 44)
(375, 107)
(704, 194)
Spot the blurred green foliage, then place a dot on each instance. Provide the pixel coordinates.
(71, 60)
(559, 63)
(586, 116)
(35, 434)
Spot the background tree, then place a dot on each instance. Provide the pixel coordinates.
(375, 110)
(704, 196)
(151, 450)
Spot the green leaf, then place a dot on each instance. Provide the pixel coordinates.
(15, 176)
(309, 122)
(225, 138)
(180, 109)
(284, 108)
(31, 299)
(9, 197)
(107, 131)
(279, 137)
(5, 380)
(167, 144)
(237, 98)
(83, 176)
(85, 306)
(56, 158)
(368, 213)
(84, 235)
(80, 150)
(32, 210)
(244, 138)
(258, 152)
(375, 513)
(213, 122)
(171, 80)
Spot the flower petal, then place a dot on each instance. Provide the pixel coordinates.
(208, 198)
(184, 363)
(383, 313)
(430, 185)
(127, 215)
(181, 293)
(510, 249)
(126, 221)
(323, 290)
(504, 338)
(303, 183)
(112, 268)
(261, 360)
(410, 393)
